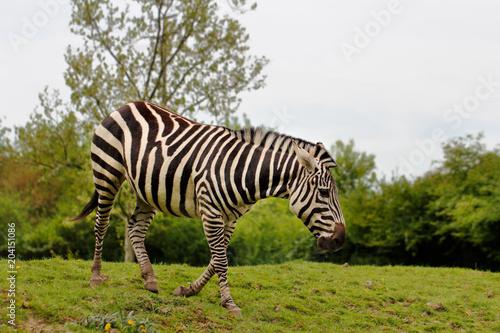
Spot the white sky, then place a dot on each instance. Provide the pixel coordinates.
(396, 76)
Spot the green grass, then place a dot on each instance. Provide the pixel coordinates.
(54, 295)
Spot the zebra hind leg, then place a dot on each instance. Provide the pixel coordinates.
(137, 229)
(104, 206)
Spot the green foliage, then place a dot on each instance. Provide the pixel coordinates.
(270, 233)
(469, 195)
(54, 139)
(389, 224)
(450, 216)
(356, 170)
(177, 240)
(5, 143)
(53, 295)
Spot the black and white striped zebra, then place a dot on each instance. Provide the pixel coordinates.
(188, 169)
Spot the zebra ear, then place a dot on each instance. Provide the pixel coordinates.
(321, 145)
(306, 159)
(326, 159)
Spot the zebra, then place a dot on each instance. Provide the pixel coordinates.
(187, 169)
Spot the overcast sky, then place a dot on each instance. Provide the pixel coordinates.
(398, 77)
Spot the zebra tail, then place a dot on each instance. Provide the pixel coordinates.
(89, 208)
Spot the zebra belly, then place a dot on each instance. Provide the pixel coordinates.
(168, 189)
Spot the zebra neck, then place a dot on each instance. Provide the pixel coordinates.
(274, 173)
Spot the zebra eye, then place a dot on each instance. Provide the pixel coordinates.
(324, 192)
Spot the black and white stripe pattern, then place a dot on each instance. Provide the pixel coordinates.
(188, 169)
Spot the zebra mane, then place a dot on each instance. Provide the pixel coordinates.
(274, 140)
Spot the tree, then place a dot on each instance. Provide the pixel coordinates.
(54, 138)
(469, 199)
(451, 211)
(391, 223)
(43, 169)
(5, 143)
(356, 169)
(180, 54)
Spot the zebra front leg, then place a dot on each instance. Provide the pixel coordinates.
(216, 231)
(195, 287)
(137, 229)
(220, 265)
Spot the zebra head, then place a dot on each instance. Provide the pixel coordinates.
(314, 198)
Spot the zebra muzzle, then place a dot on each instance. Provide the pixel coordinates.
(334, 241)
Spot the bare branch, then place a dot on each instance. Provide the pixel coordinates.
(110, 51)
(121, 216)
(98, 103)
(155, 50)
(125, 216)
(164, 65)
(183, 78)
(198, 102)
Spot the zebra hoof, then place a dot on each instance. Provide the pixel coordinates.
(183, 291)
(94, 282)
(234, 309)
(151, 286)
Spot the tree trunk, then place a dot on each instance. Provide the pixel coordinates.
(127, 247)
(124, 202)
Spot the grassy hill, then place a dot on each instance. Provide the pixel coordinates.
(53, 295)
